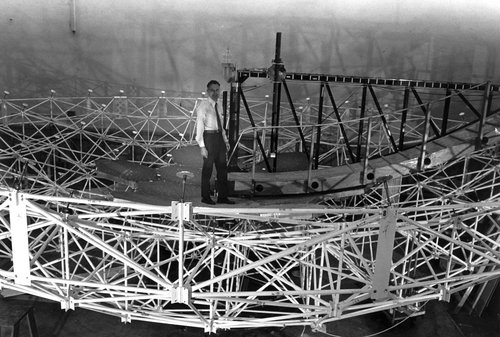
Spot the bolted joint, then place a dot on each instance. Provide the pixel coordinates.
(210, 328)
(68, 303)
(126, 318)
(318, 326)
(181, 295)
(444, 294)
(182, 210)
(334, 310)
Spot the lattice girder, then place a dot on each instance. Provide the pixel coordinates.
(59, 138)
(238, 268)
(218, 268)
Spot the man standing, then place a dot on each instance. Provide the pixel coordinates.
(214, 145)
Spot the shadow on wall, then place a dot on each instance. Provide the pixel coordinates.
(177, 51)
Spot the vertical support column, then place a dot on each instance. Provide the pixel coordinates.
(310, 166)
(19, 235)
(181, 211)
(446, 112)
(224, 109)
(361, 123)
(276, 68)
(319, 122)
(402, 130)
(383, 263)
(254, 158)
(422, 160)
(364, 173)
(484, 114)
(234, 118)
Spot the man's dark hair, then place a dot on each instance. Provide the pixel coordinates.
(213, 82)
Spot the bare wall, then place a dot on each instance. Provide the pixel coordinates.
(144, 47)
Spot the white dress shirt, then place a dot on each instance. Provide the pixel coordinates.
(206, 119)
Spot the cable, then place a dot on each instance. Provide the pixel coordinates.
(329, 334)
(380, 332)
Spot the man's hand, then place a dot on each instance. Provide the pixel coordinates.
(204, 152)
(228, 146)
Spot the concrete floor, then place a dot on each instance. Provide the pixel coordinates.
(438, 321)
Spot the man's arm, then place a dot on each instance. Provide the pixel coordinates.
(200, 128)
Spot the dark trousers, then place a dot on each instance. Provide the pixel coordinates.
(216, 148)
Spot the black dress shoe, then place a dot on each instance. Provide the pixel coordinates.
(208, 201)
(225, 201)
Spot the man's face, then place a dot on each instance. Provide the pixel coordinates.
(213, 91)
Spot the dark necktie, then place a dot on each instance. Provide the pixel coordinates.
(219, 124)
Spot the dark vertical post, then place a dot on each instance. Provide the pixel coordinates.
(484, 114)
(402, 130)
(446, 112)
(320, 120)
(234, 118)
(425, 137)
(364, 173)
(224, 109)
(277, 66)
(361, 121)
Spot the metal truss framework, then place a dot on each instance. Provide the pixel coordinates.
(403, 243)
(49, 146)
(335, 134)
(53, 142)
(396, 141)
(395, 245)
